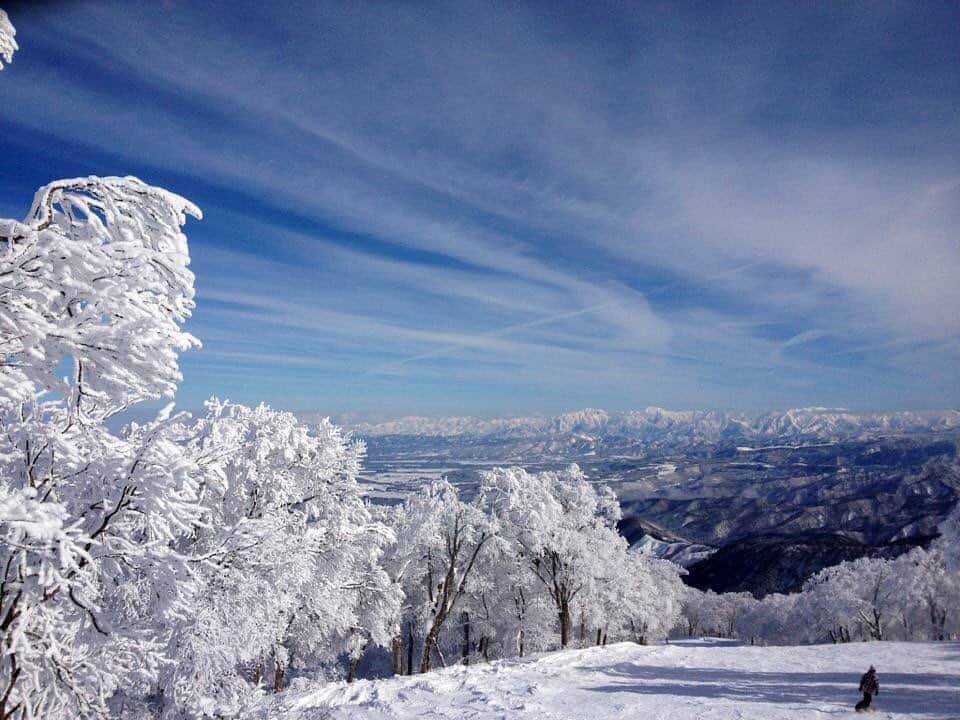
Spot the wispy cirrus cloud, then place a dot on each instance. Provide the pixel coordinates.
(505, 208)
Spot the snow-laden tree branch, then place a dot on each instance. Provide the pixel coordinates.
(8, 42)
(565, 529)
(96, 275)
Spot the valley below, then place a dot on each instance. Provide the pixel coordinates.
(755, 504)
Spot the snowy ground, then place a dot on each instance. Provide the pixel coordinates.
(699, 681)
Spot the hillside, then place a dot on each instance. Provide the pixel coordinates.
(698, 679)
(770, 564)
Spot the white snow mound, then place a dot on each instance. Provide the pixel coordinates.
(702, 680)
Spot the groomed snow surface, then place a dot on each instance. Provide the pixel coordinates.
(699, 680)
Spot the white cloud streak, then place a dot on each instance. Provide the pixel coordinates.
(588, 210)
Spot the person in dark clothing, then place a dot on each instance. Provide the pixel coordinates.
(869, 686)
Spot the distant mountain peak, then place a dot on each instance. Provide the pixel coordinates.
(653, 422)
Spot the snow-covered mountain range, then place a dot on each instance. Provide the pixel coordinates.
(658, 425)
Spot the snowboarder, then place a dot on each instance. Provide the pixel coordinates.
(869, 686)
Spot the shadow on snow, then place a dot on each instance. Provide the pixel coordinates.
(934, 695)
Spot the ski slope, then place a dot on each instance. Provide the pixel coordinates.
(704, 680)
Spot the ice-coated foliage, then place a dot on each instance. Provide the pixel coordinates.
(92, 582)
(8, 42)
(913, 597)
(288, 558)
(441, 539)
(565, 530)
(96, 275)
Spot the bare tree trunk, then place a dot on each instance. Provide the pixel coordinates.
(396, 646)
(429, 643)
(520, 603)
(278, 672)
(409, 648)
(599, 635)
(839, 635)
(355, 661)
(565, 624)
(874, 623)
(5, 710)
(450, 589)
(465, 650)
(352, 669)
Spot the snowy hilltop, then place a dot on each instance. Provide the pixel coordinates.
(673, 682)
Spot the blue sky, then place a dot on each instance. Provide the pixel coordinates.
(501, 208)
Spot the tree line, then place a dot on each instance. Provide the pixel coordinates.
(915, 596)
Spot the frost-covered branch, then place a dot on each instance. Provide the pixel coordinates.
(8, 42)
(95, 276)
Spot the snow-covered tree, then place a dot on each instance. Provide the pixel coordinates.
(692, 611)
(927, 593)
(949, 541)
(730, 607)
(913, 596)
(770, 620)
(442, 538)
(717, 614)
(510, 613)
(8, 42)
(860, 593)
(563, 526)
(650, 601)
(95, 277)
(288, 555)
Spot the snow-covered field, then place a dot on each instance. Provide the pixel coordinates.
(696, 680)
